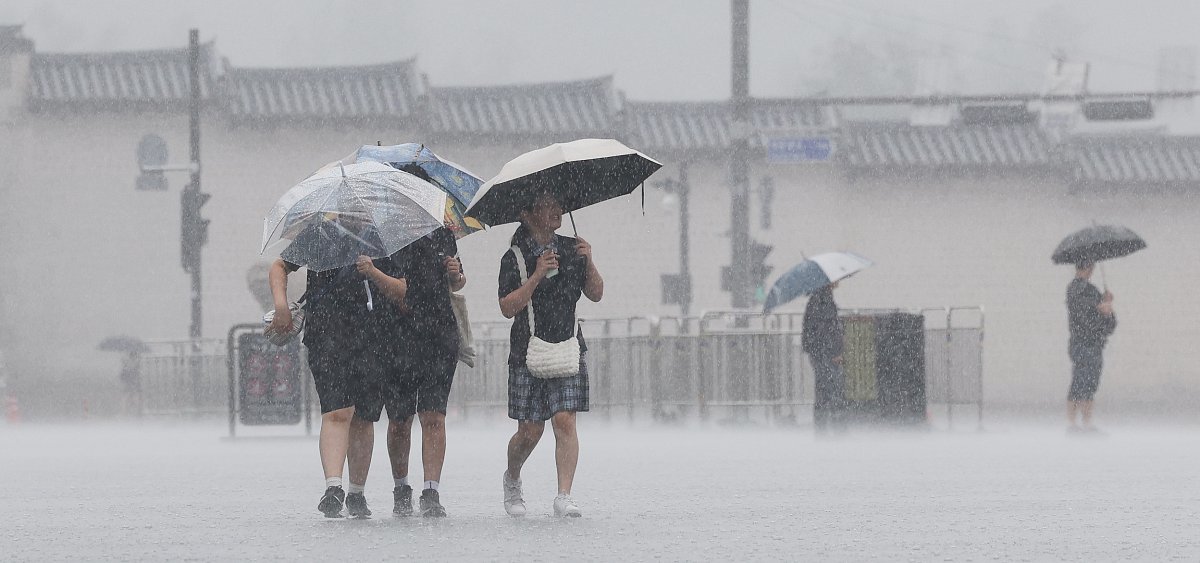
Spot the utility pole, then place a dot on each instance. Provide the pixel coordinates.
(738, 277)
(194, 233)
(685, 267)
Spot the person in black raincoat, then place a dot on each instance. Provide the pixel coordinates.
(822, 340)
(1091, 321)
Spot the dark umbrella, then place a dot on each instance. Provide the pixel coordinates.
(123, 343)
(579, 173)
(1096, 243)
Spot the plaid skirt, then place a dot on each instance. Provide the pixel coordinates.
(533, 398)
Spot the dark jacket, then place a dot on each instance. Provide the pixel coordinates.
(822, 335)
(1089, 328)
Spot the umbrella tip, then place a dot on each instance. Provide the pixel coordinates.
(343, 169)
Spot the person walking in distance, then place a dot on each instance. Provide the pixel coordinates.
(545, 274)
(1091, 321)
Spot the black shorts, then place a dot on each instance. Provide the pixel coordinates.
(417, 380)
(341, 373)
(1086, 365)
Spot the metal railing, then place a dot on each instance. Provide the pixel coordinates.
(724, 365)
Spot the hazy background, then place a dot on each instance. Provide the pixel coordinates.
(658, 50)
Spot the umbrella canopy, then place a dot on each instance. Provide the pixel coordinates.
(123, 343)
(813, 274)
(579, 173)
(1096, 243)
(455, 180)
(340, 212)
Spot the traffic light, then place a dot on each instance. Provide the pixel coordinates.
(193, 231)
(759, 270)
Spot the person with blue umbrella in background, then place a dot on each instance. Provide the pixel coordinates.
(822, 334)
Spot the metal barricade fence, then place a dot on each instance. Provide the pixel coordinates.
(184, 377)
(722, 365)
(954, 358)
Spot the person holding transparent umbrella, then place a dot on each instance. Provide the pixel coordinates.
(1090, 315)
(330, 222)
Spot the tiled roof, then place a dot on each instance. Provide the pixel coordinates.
(581, 107)
(704, 126)
(133, 78)
(1129, 159)
(954, 146)
(385, 90)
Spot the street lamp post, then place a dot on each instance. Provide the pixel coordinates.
(193, 233)
(677, 288)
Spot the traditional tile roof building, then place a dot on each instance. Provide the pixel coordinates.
(390, 91)
(136, 80)
(559, 110)
(1136, 161)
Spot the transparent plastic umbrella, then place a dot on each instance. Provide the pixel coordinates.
(341, 212)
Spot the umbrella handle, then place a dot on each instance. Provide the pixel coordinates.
(370, 301)
(571, 215)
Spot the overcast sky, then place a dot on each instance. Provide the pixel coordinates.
(656, 49)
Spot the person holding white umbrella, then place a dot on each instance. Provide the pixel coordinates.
(822, 334)
(541, 300)
(542, 277)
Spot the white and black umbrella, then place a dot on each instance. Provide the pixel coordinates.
(578, 174)
(813, 274)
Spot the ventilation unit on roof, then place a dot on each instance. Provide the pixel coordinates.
(1118, 110)
(997, 114)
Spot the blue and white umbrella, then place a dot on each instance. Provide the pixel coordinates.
(813, 274)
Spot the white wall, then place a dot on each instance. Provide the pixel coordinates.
(84, 255)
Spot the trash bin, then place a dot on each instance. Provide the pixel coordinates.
(884, 367)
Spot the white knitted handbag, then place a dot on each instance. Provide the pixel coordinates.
(548, 360)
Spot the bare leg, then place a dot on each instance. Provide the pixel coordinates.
(1072, 407)
(566, 449)
(521, 445)
(1087, 414)
(433, 444)
(335, 440)
(399, 442)
(362, 444)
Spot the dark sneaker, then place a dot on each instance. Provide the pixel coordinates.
(356, 506)
(431, 504)
(331, 502)
(403, 501)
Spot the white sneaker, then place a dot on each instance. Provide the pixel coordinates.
(565, 507)
(514, 505)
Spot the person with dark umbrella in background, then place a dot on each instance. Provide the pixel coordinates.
(822, 339)
(1091, 322)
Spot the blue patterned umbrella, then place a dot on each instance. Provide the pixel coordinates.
(455, 180)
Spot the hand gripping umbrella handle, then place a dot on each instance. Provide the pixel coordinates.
(370, 301)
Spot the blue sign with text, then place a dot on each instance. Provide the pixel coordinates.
(799, 149)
